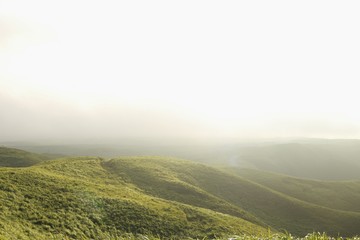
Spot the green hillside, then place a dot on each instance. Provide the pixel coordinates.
(12, 157)
(93, 198)
(188, 182)
(77, 198)
(338, 159)
(342, 195)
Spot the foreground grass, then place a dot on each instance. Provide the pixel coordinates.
(131, 236)
(76, 198)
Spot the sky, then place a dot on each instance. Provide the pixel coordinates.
(179, 69)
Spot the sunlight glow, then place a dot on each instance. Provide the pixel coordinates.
(230, 66)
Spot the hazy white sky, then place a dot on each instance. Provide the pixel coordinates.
(234, 69)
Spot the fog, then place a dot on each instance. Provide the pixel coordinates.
(95, 71)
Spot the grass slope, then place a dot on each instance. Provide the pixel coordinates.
(87, 197)
(154, 176)
(188, 182)
(12, 157)
(344, 195)
(77, 198)
(338, 159)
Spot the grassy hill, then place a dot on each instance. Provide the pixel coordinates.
(12, 157)
(341, 195)
(77, 198)
(93, 198)
(338, 159)
(188, 182)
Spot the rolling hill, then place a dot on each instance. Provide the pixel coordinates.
(185, 181)
(77, 198)
(94, 198)
(338, 159)
(12, 157)
(341, 195)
